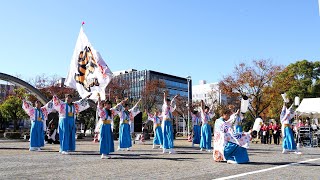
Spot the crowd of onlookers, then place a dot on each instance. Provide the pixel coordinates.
(271, 132)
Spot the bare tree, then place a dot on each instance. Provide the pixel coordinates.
(118, 88)
(43, 81)
(214, 95)
(152, 94)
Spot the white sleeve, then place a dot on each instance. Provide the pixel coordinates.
(232, 118)
(173, 104)
(134, 111)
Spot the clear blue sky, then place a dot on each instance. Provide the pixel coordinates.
(204, 39)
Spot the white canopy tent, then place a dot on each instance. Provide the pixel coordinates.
(309, 107)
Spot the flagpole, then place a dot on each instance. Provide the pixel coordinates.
(319, 6)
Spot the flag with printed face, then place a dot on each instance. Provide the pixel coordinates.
(88, 73)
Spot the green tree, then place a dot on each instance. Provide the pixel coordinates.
(144, 116)
(301, 79)
(305, 76)
(2, 122)
(88, 119)
(11, 108)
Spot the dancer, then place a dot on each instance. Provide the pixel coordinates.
(228, 145)
(256, 129)
(196, 120)
(288, 143)
(206, 135)
(38, 116)
(236, 119)
(96, 137)
(67, 114)
(105, 126)
(167, 130)
(126, 115)
(52, 133)
(158, 137)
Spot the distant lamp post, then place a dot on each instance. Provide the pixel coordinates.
(188, 79)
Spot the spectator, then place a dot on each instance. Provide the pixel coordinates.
(300, 124)
(265, 134)
(270, 132)
(307, 122)
(276, 133)
(52, 136)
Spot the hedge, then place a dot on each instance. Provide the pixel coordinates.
(12, 135)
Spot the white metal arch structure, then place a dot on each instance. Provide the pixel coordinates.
(34, 91)
(16, 81)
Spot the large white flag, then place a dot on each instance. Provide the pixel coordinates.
(88, 72)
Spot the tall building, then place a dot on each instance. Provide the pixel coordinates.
(6, 90)
(174, 84)
(209, 93)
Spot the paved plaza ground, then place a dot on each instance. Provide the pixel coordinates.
(266, 162)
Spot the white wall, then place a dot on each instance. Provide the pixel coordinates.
(207, 92)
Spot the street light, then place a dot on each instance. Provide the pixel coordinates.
(188, 79)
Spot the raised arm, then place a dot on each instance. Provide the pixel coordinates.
(134, 110)
(99, 105)
(27, 107)
(47, 109)
(82, 104)
(211, 108)
(164, 97)
(290, 113)
(174, 98)
(119, 107)
(202, 105)
(173, 104)
(136, 104)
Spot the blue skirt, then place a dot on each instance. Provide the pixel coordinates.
(67, 132)
(288, 140)
(124, 136)
(236, 153)
(36, 134)
(167, 135)
(106, 139)
(158, 137)
(205, 141)
(196, 134)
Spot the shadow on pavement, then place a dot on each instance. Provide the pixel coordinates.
(131, 156)
(154, 158)
(13, 148)
(308, 164)
(188, 152)
(186, 147)
(282, 163)
(264, 150)
(269, 163)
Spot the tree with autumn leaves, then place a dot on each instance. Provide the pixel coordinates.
(152, 95)
(254, 81)
(263, 82)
